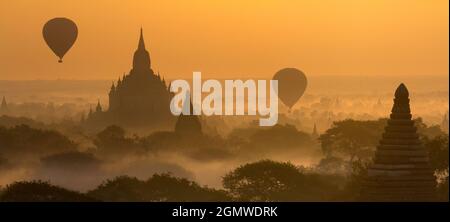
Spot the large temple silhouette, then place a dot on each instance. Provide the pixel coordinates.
(400, 169)
(140, 99)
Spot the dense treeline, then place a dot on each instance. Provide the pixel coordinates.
(346, 149)
(264, 180)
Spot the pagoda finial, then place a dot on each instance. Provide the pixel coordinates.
(401, 109)
(99, 107)
(141, 40)
(119, 82)
(187, 102)
(4, 105)
(113, 87)
(141, 58)
(4, 101)
(401, 91)
(188, 125)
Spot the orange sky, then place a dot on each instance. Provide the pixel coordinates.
(232, 38)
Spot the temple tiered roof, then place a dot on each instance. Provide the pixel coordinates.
(400, 169)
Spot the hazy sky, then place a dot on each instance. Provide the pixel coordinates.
(231, 38)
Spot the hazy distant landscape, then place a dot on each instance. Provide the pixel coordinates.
(429, 94)
(87, 112)
(75, 90)
(358, 98)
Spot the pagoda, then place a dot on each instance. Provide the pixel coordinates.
(188, 125)
(400, 169)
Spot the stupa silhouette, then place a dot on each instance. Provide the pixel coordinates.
(400, 169)
(188, 125)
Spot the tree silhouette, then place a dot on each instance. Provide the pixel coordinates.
(352, 139)
(122, 188)
(165, 187)
(428, 131)
(38, 191)
(259, 141)
(22, 140)
(112, 142)
(160, 187)
(268, 180)
(438, 153)
(72, 161)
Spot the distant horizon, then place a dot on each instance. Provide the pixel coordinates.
(317, 84)
(205, 76)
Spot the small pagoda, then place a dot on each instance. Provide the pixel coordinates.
(188, 125)
(400, 169)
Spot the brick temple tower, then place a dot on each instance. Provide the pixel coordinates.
(400, 169)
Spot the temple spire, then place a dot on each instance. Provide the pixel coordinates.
(141, 45)
(141, 58)
(4, 106)
(188, 125)
(314, 132)
(187, 104)
(99, 107)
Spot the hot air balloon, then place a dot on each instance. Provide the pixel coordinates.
(60, 34)
(291, 85)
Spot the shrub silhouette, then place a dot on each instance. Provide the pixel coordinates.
(268, 180)
(112, 142)
(23, 140)
(38, 191)
(71, 161)
(160, 187)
